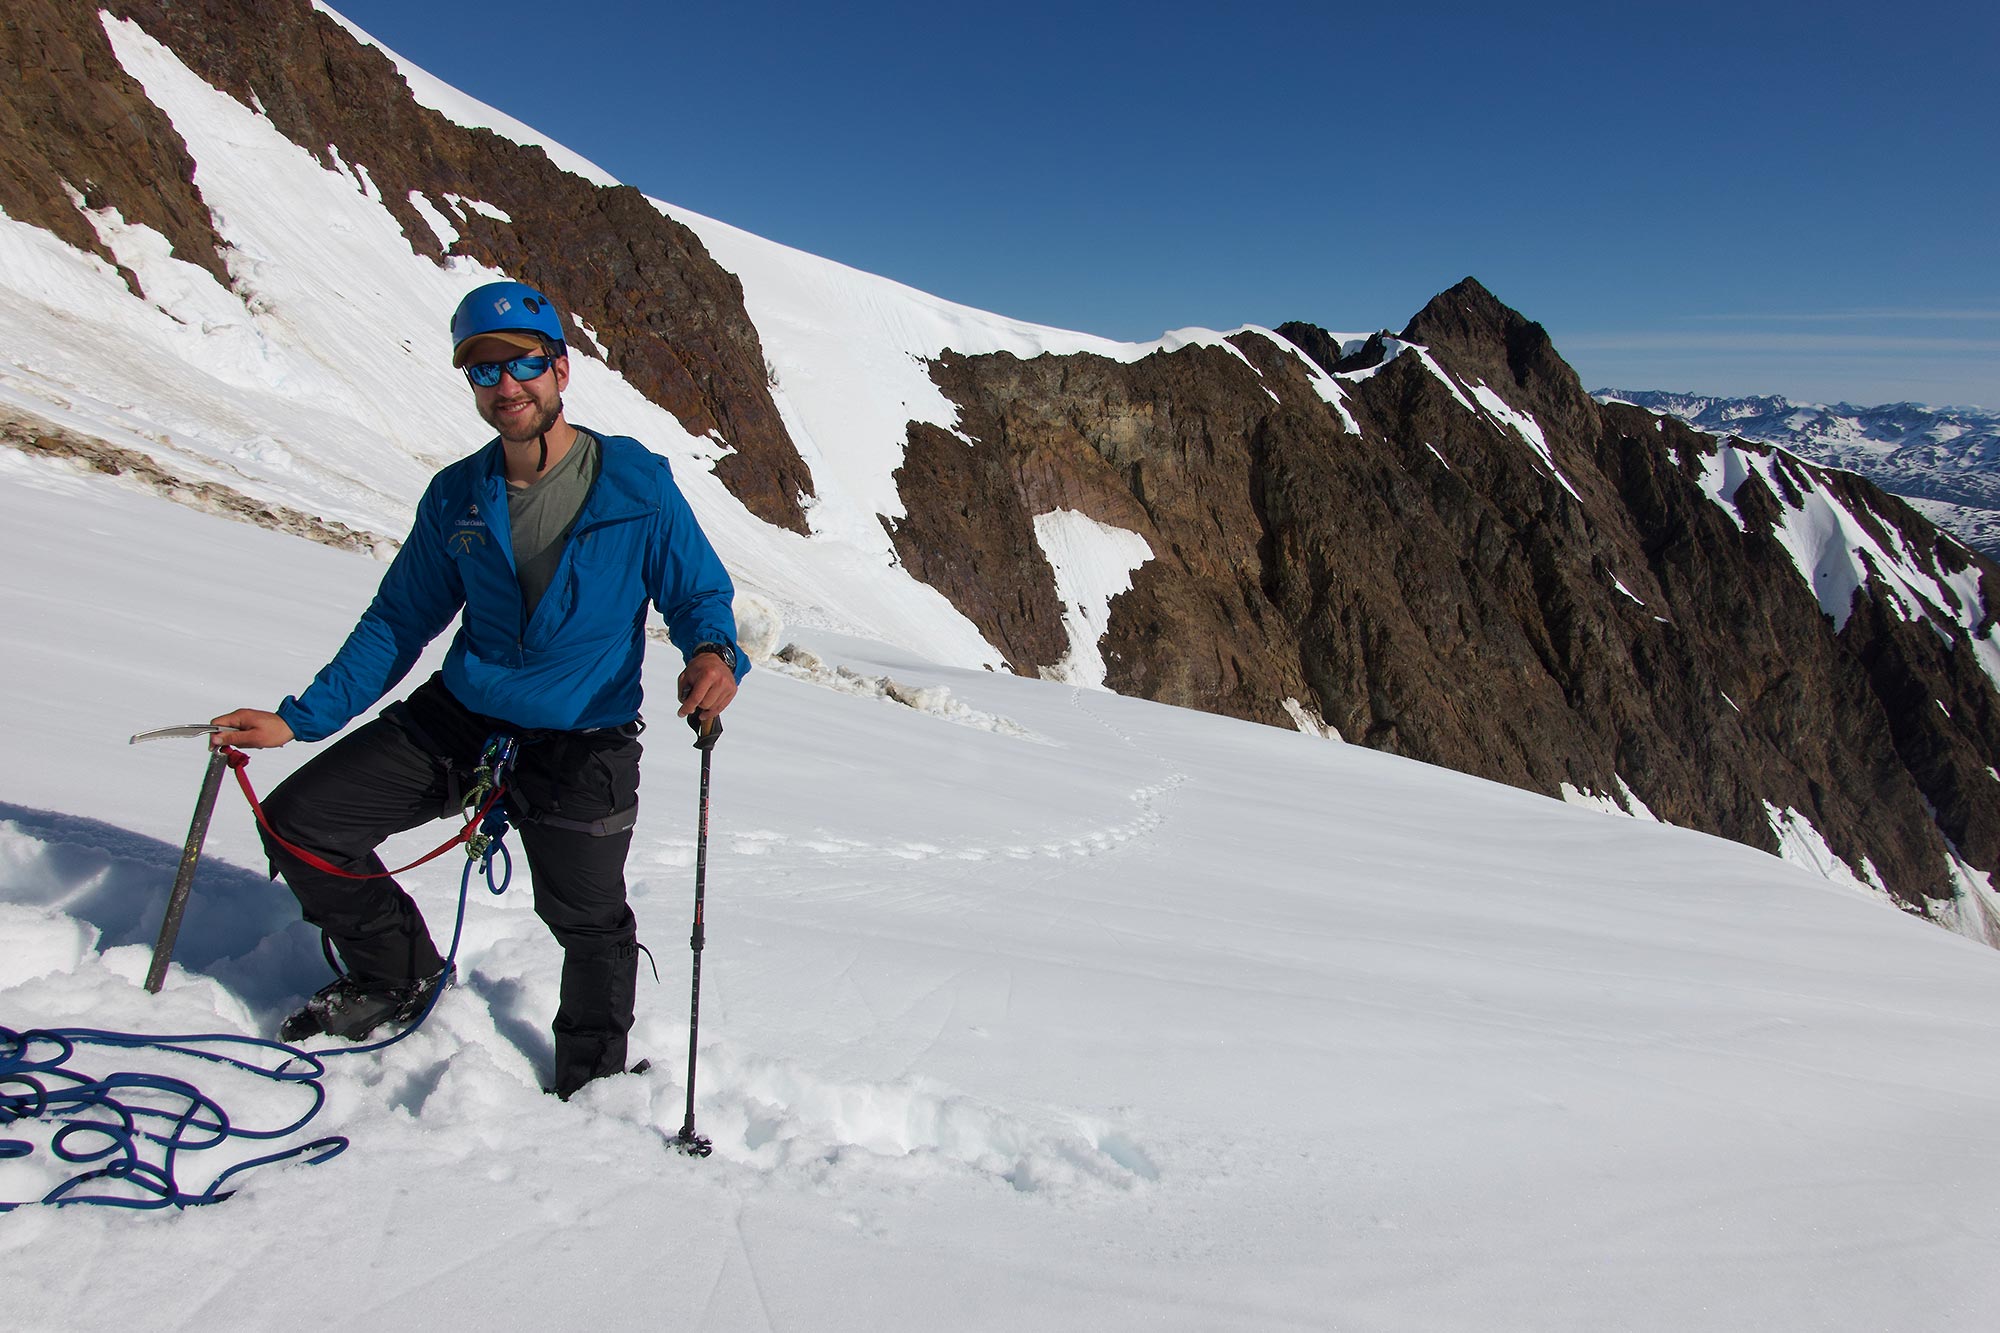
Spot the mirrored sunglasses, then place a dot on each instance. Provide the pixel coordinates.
(486, 374)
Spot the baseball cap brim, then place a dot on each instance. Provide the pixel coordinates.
(529, 343)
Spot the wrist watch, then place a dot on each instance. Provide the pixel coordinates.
(721, 650)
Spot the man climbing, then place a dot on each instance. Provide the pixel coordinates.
(546, 545)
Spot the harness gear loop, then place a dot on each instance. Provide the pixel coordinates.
(496, 765)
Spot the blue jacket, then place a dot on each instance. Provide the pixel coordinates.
(575, 663)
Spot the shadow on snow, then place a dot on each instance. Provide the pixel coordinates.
(241, 928)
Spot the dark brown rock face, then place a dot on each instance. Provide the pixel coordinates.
(1158, 448)
(73, 120)
(1433, 587)
(667, 317)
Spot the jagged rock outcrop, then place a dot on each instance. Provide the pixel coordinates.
(665, 315)
(1496, 573)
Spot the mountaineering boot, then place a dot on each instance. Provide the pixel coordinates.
(345, 1008)
(549, 1089)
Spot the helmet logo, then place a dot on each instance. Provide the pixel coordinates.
(502, 306)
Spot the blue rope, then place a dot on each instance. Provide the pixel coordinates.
(103, 1119)
(114, 1119)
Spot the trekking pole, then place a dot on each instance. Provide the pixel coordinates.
(706, 734)
(204, 807)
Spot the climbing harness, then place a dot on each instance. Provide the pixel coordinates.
(133, 1129)
(495, 761)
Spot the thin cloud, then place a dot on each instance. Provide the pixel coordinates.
(1781, 344)
(1843, 316)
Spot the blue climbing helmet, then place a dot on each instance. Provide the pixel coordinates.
(513, 312)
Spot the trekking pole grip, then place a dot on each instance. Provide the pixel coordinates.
(707, 730)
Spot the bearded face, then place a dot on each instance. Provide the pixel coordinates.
(519, 411)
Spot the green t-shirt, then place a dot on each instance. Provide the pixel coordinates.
(541, 514)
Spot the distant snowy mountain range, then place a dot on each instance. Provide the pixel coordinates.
(1944, 460)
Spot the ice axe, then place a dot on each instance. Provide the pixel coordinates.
(204, 806)
(707, 731)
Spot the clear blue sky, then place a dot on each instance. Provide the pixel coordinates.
(1728, 198)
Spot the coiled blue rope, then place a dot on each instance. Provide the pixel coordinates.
(134, 1128)
(105, 1120)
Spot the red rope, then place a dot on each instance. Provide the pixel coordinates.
(239, 761)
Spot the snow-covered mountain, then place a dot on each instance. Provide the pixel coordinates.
(226, 263)
(1944, 460)
(1026, 1002)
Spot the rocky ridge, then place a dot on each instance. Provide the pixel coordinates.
(1946, 457)
(1440, 545)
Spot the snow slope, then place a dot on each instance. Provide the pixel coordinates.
(1117, 1016)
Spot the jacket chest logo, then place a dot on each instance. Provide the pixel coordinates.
(469, 534)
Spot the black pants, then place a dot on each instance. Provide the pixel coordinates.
(572, 797)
